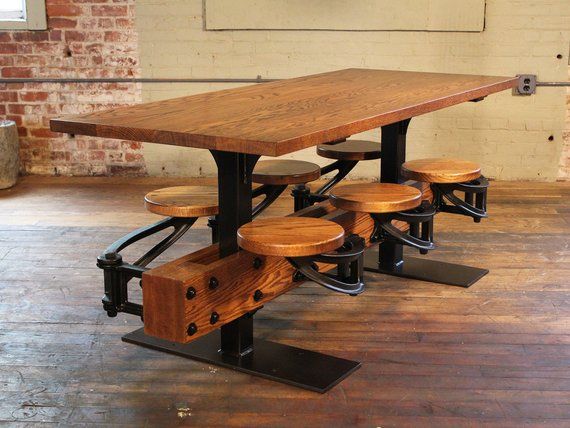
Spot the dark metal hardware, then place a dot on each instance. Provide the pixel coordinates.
(529, 82)
(190, 293)
(213, 283)
(192, 329)
(474, 203)
(420, 234)
(117, 273)
(271, 192)
(214, 318)
(258, 295)
(257, 263)
(305, 198)
(349, 273)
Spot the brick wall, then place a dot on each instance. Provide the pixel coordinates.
(86, 38)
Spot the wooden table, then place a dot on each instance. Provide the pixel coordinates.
(239, 125)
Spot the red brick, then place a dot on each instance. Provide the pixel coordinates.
(63, 10)
(15, 118)
(6, 48)
(33, 96)
(116, 36)
(31, 36)
(109, 10)
(58, 23)
(55, 35)
(2, 110)
(42, 133)
(16, 72)
(5, 37)
(75, 36)
(6, 60)
(97, 155)
(8, 96)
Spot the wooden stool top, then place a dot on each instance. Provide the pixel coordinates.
(351, 150)
(441, 170)
(290, 236)
(183, 201)
(285, 171)
(376, 197)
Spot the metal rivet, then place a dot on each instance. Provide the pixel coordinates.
(214, 318)
(213, 284)
(257, 263)
(190, 293)
(258, 295)
(192, 329)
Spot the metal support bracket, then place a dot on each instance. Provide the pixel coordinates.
(117, 273)
(420, 235)
(349, 273)
(474, 203)
(305, 198)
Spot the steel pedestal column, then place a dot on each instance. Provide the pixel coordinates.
(388, 258)
(233, 345)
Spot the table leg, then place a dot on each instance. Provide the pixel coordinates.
(233, 345)
(388, 258)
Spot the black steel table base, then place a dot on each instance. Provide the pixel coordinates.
(282, 363)
(426, 270)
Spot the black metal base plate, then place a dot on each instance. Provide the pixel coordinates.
(294, 366)
(427, 270)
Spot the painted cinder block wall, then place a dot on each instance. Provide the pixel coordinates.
(510, 136)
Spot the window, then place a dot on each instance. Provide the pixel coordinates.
(23, 15)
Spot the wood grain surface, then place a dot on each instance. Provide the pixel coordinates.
(183, 201)
(285, 116)
(285, 171)
(290, 237)
(441, 170)
(494, 355)
(351, 150)
(375, 197)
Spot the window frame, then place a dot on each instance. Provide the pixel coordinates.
(36, 18)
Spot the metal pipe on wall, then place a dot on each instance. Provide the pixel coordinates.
(258, 79)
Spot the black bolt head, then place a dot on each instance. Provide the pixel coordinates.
(190, 293)
(214, 318)
(258, 295)
(257, 263)
(192, 329)
(213, 284)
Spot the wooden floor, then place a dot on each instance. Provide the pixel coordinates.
(497, 354)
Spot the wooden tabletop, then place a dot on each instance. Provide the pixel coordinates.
(288, 115)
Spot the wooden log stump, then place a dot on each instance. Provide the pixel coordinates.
(9, 159)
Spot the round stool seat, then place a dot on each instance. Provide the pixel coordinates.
(183, 201)
(376, 198)
(290, 236)
(357, 150)
(285, 171)
(441, 170)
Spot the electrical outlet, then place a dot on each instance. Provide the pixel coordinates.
(527, 85)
